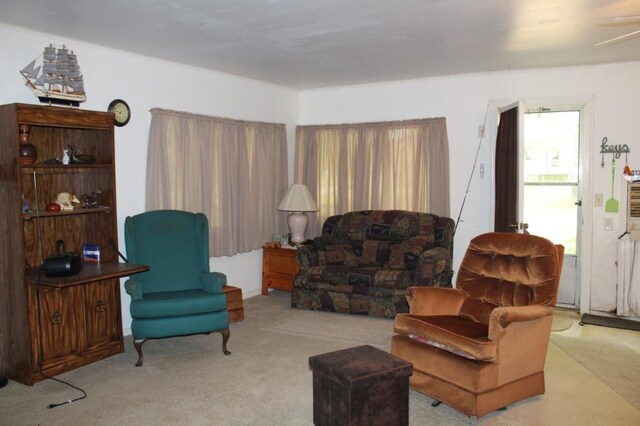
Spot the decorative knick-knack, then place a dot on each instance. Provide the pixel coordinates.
(65, 157)
(26, 204)
(28, 153)
(80, 158)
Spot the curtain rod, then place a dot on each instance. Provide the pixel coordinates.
(169, 112)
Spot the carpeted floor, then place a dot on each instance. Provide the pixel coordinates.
(266, 380)
(612, 355)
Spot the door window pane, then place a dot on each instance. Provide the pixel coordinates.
(551, 213)
(551, 144)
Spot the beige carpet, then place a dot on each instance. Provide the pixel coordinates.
(612, 355)
(359, 330)
(266, 380)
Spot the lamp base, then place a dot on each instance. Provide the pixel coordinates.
(297, 225)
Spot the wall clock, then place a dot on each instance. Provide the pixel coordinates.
(121, 111)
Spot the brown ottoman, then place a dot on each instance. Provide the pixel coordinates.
(360, 386)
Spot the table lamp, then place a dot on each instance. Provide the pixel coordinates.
(297, 200)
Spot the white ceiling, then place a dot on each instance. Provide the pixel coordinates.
(317, 43)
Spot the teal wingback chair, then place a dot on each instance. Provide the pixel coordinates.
(178, 296)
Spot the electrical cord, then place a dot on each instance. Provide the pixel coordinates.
(633, 265)
(38, 316)
(41, 351)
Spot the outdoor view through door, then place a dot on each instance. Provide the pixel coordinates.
(551, 186)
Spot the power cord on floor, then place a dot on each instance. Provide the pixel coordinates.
(40, 352)
(38, 319)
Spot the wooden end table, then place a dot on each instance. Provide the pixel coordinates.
(279, 268)
(234, 303)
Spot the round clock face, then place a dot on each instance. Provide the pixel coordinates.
(121, 111)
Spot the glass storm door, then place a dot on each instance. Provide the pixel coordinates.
(551, 187)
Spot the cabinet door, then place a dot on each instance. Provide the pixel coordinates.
(102, 313)
(56, 326)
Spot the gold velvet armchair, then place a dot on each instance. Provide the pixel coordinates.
(482, 345)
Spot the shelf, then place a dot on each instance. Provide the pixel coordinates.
(77, 211)
(51, 325)
(61, 168)
(90, 272)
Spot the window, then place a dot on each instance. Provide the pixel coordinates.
(401, 165)
(235, 172)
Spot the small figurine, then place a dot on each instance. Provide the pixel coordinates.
(65, 157)
(80, 158)
(67, 201)
(52, 207)
(26, 205)
(91, 201)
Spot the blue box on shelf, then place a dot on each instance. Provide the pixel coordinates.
(91, 253)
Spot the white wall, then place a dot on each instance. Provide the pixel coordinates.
(146, 83)
(614, 94)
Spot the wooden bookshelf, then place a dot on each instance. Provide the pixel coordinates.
(49, 325)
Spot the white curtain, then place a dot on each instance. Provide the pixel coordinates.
(401, 165)
(233, 171)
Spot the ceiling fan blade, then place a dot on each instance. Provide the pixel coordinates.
(618, 39)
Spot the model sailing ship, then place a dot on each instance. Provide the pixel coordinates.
(57, 79)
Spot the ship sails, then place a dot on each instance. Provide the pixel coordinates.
(58, 79)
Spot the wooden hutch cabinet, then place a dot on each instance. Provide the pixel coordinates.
(50, 325)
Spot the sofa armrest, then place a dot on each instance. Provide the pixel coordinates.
(307, 256)
(434, 300)
(212, 282)
(434, 268)
(133, 287)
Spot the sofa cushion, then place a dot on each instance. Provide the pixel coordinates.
(338, 254)
(449, 332)
(373, 253)
(405, 255)
(361, 278)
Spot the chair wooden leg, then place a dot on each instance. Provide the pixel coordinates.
(225, 338)
(137, 343)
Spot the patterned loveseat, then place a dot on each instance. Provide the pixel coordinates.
(364, 261)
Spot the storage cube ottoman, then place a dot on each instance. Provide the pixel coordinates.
(360, 386)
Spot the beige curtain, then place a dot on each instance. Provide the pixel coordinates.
(400, 165)
(233, 171)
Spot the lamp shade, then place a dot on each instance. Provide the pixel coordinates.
(298, 199)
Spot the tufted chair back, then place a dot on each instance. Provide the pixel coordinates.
(505, 269)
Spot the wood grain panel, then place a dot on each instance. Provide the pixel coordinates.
(279, 268)
(54, 324)
(63, 116)
(64, 322)
(102, 313)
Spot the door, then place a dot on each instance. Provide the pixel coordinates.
(551, 186)
(102, 313)
(546, 199)
(509, 202)
(54, 326)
